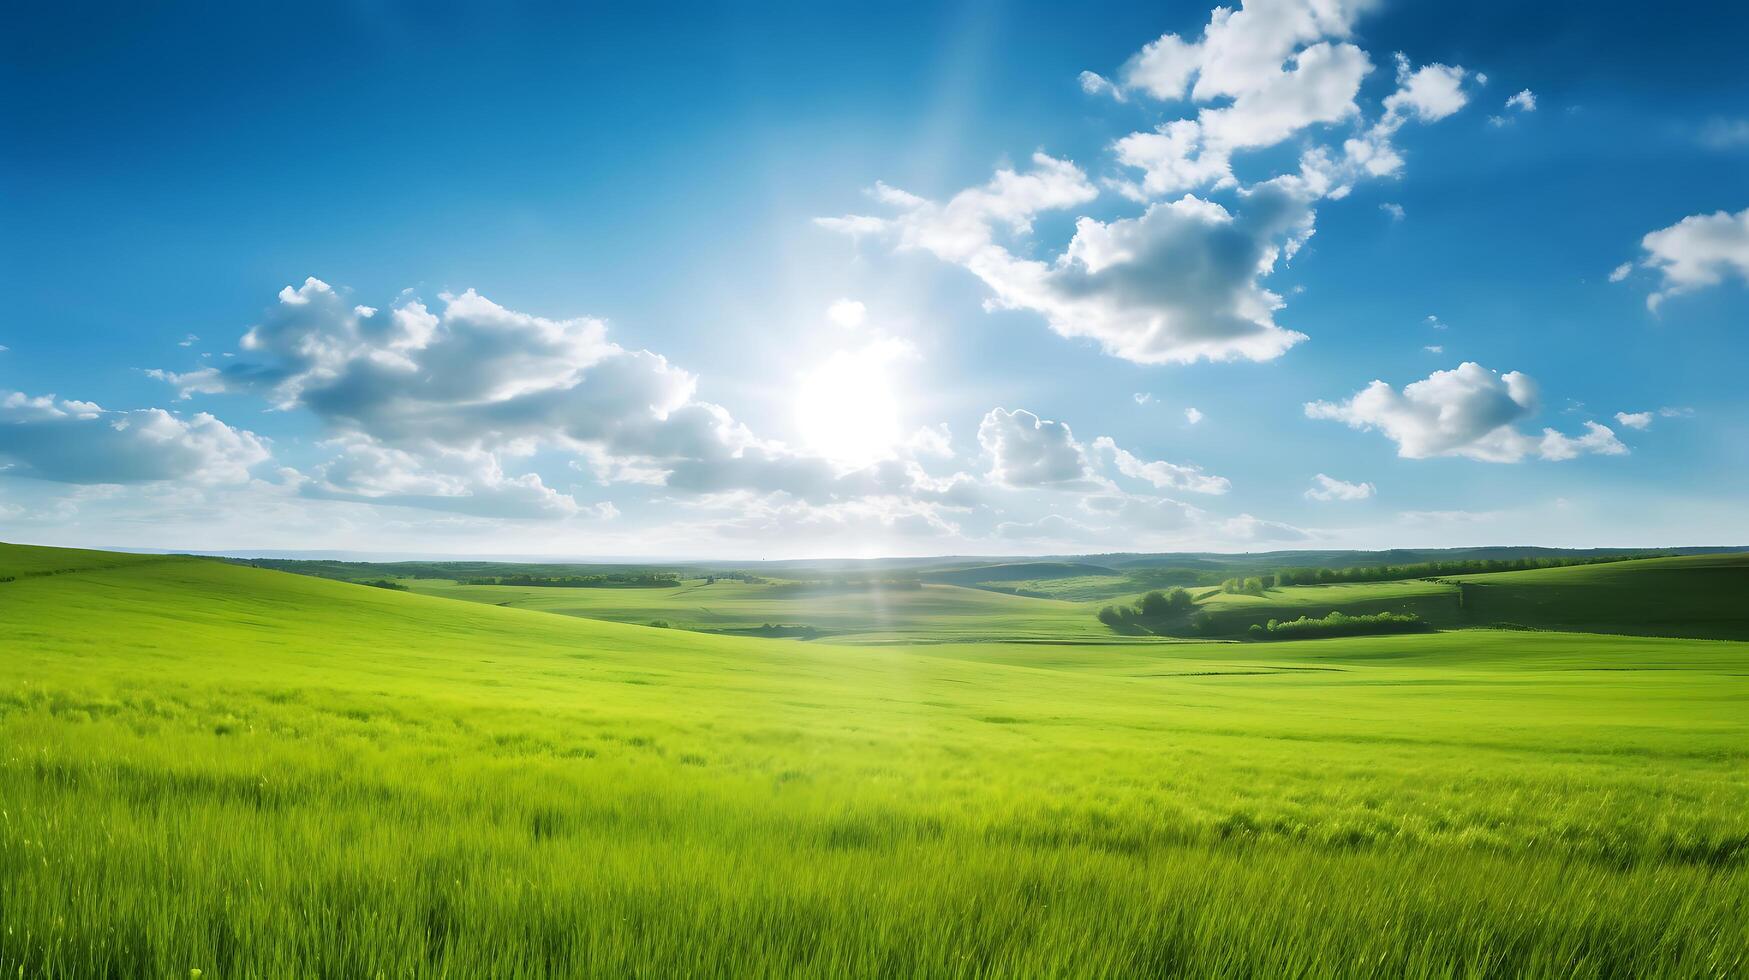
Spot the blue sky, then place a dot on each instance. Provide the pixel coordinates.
(631, 284)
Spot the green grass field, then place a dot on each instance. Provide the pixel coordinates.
(255, 774)
(843, 614)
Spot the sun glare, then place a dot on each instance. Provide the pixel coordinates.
(847, 408)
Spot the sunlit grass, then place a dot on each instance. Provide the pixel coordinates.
(254, 774)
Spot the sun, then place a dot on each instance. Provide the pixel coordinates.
(847, 408)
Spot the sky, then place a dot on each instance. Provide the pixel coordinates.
(809, 280)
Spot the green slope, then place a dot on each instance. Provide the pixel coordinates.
(1700, 596)
(251, 773)
(1436, 603)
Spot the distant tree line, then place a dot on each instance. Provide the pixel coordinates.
(1258, 584)
(612, 580)
(1154, 606)
(383, 583)
(747, 577)
(1338, 624)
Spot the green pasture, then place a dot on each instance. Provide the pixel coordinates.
(842, 613)
(255, 774)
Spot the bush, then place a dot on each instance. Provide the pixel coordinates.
(1153, 607)
(1338, 624)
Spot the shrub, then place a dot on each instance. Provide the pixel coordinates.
(1338, 624)
(1153, 607)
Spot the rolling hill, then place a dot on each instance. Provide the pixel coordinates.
(248, 773)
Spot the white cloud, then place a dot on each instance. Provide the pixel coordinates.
(456, 397)
(457, 409)
(1469, 411)
(1698, 251)
(188, 341)
(932, 440)
(1163, 475)
(202, 381)
(1094, 83)
(1597, 439)
(1051, 527)
(1675, 412)
(70, 441)
(1329, 488)
(1434, 322)
(463, 481)
(964, 229)
(1129, 513)
(1434, 348)
(1621, 272)
(847, 313)
(1634, 420)
(1192, 415)
(1427, 94)
(1394, 210)
(1142, 397)
(1183, 280)
(1027, 451)
(1176, 284)
(1524, 101)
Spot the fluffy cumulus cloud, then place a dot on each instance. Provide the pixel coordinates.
(79, 442)
(1468, 411)
(466, 407)
(1176, 283)
(1700, 250)
(1329, 488)
(464, 481)
(1634, 420)
(1026, 451)
(1161, 474)
(435, 408)
(1184, 279)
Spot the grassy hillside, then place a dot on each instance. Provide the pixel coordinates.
(249, 773)
(1700, 596)
(1436, 603)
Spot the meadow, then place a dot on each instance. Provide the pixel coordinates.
(854, 613)
(255, 774)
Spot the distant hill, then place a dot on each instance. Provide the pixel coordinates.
(1694, 596)
(1702, 596)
